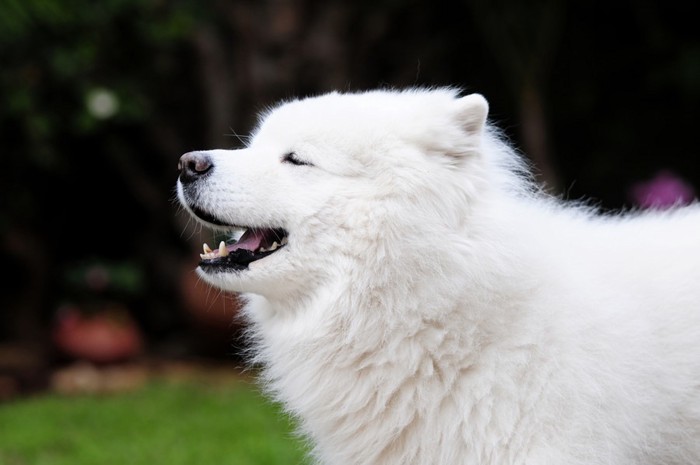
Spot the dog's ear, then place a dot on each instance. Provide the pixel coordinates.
(471, 113)
(468, 114)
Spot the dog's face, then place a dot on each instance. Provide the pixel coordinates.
(269, 198)
(318, 175)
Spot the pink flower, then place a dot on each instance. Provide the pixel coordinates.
(665, 190)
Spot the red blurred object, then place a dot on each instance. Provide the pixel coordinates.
(107, 336)
(209, 307)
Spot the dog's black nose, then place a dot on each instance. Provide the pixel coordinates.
(194, 165)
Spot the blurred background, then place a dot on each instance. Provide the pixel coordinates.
(100, 99)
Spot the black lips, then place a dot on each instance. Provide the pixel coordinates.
(236, 260)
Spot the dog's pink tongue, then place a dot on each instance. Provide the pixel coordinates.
(250, 240)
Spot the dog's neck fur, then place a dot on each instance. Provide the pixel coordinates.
(418, 354)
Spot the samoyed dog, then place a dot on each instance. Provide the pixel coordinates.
(415, 300)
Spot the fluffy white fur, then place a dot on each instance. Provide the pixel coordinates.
(433, 308)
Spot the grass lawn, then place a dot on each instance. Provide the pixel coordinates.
(162, 423)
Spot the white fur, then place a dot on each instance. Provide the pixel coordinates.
(433, 308)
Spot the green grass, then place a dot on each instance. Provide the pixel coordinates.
(160, 424)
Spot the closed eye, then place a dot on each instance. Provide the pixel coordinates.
(293, 159)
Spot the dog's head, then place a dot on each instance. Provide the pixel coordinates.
(331, 179)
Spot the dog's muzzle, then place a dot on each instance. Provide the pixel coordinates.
(256, 242)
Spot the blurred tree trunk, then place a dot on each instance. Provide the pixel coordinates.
(26, 322)
(535, 135)
(523, 40)
(216, 84)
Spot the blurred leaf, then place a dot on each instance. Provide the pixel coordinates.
(97, 276)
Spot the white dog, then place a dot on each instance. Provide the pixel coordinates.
(415, 301)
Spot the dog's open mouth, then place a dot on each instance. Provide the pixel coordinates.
(254, 244)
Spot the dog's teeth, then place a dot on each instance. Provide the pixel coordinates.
(223, 251)
(209, 253)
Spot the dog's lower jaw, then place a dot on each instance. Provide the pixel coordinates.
(264, 277)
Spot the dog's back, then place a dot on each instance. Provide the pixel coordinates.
(621, 304)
